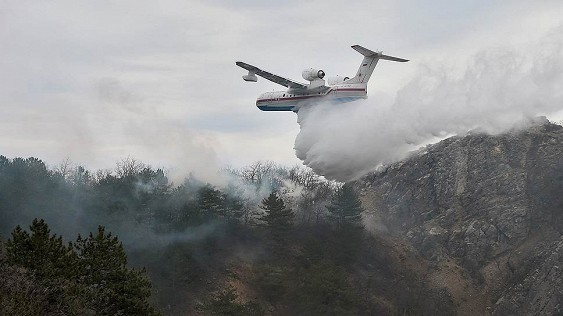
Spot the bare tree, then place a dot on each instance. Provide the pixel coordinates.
(64, 169)
(129, 167)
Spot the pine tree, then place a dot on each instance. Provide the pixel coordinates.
(345, 212)
(345, 209)
(110, 287)
(40, 252)
(233, 201)
(211, 203)
(48, 261)
(278, 218)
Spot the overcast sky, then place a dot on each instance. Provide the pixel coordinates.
(98, 81)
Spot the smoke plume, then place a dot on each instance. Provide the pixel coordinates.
(497, 89)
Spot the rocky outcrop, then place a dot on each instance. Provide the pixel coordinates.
(485, 210)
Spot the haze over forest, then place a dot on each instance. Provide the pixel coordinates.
(281, 241)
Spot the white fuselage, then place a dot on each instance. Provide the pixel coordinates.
(293, 99)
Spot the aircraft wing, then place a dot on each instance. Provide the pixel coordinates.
(270, 76)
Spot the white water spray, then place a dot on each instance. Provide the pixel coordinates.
(498, 89)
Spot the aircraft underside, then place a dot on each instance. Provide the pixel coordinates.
(296, 105)
(284, 101)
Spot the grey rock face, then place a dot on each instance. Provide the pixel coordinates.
(541, 291)
(492, 204)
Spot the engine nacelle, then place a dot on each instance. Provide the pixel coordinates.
(336, 80)
(312, 74)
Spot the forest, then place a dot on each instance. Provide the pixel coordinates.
(268, 240)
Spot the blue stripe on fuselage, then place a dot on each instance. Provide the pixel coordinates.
(275, 108)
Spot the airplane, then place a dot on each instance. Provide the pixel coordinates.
(339, 89)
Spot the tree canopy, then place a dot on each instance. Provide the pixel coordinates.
(90, 274)
(345, 209)
(278, 218)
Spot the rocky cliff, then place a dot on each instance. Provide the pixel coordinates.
(486, 213)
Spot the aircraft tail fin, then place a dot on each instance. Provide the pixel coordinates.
(368, 64)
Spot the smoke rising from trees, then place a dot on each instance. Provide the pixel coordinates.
(497, 89)
(181, 233)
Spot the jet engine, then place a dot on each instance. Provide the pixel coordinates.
(312, 74)
(336, 80)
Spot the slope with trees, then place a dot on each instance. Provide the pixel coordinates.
(273, 240)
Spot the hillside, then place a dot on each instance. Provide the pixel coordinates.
(471, 225)
(468, 226)
(486, 214)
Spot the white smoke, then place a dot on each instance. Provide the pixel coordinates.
(497, 89)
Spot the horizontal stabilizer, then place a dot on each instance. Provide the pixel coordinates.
(393, 58)
(364, 51)
(369, 53)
